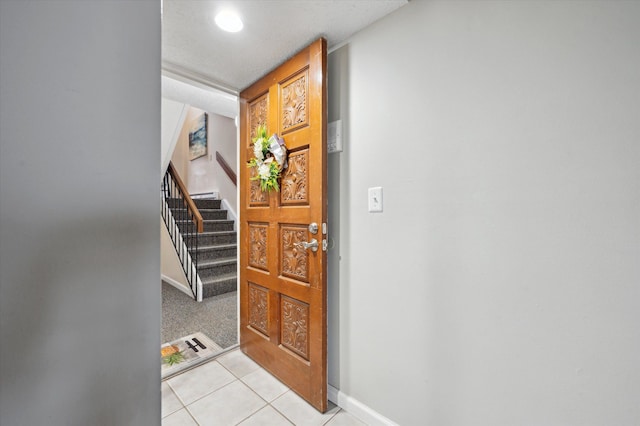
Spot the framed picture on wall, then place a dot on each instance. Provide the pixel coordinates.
(198, 137)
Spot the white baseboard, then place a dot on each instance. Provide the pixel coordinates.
(206, 195)
(231, 212)
(358, 409)
(186, 290)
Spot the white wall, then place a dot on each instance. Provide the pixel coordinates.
(203, 174)
(501, 284)
(337, 192)
(224, 134)
(79, 241)
(180, 155)
(170, 266)
(173, 115)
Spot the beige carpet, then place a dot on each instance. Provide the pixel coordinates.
(215, 317)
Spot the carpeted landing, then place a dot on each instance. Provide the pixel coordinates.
(215, 317)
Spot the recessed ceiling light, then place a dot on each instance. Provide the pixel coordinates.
(229, 21)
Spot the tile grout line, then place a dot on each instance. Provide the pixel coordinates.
(305, 402)
(179, 400)
(331, 418)
(184, 407)
(205, 395)
(176, 396)
(238, 378)
(192, 417)
(281, 413)
(232, 373)
(267, 402)
(256, 393)
(210, 393)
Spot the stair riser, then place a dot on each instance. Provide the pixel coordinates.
(206, 214)
(211, 272)
(215, 289)
(218, 226)
(174, 203)
(207, 226)
(210, 240)
(201, 204)
(217, 253)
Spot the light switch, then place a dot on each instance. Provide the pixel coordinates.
(375, 199)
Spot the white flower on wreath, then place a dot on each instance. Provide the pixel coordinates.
(264, 170)
(257, 150)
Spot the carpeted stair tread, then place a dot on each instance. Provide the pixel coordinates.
(210, 234)
(217, 246)
(219, 278)
(217, 262)
(219, 285)
(216, 233)
(205, 203)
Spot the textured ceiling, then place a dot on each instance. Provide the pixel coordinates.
(193, 46)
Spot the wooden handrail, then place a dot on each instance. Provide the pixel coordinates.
(197, 217)
(226, 168)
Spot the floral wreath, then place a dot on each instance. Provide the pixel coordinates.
(270, 158)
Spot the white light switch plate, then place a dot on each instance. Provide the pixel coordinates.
(375, 199)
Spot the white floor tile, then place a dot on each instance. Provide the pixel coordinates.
(299, 412)
(264, 384)
(196, 383)
(179, 418)
(266, 417)
(344, 419)
(170, 402)
(227, 406)
(238, 363)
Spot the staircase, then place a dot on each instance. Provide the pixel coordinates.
(216, 249)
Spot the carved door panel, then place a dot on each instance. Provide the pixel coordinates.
(283, 296)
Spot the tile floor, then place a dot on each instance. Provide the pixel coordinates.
(234, 390)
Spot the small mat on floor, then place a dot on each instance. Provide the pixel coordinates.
(186, 352)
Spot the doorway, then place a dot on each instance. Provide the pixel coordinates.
(199, 315)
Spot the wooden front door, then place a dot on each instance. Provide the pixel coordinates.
(283, 292)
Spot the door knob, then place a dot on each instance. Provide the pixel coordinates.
(313, 228)
(313, 245)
